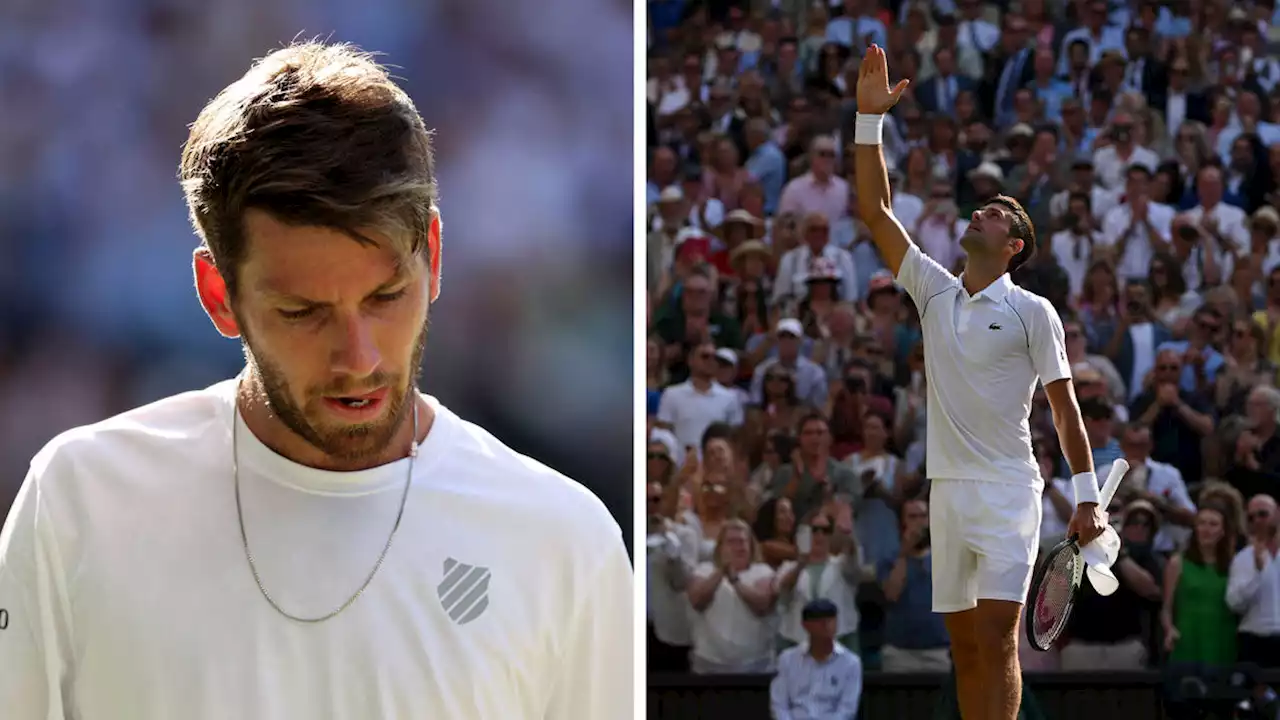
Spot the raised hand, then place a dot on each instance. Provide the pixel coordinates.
(873, 93)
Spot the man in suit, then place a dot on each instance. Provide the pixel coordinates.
(1178, 101)
(1144, 73)
(1009, 68)
(938, 93)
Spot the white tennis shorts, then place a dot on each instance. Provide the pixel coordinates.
(985, 536)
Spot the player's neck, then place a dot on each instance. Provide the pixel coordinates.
(271, 431)
(979, 275)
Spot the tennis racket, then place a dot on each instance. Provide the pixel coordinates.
(1057, 581)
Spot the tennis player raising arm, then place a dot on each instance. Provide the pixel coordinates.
(987, 345)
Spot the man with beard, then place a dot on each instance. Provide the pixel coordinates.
(314, 538)
(988, 345)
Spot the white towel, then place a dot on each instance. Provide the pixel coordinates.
(1099, 556)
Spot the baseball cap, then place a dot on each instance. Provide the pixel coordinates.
(790, 326)
(728, 356)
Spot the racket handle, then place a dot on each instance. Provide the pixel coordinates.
(1118, 469)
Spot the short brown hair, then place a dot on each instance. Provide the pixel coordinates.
(1019, 227)
(313, 134)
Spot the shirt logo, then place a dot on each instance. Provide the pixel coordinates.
(464, 591)
(993, 326)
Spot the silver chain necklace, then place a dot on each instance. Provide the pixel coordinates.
(244, 537)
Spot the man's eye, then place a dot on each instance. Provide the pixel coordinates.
(297, 314)
(389, 297)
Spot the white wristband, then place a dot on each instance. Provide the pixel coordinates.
(1086, 487)
(868, 129)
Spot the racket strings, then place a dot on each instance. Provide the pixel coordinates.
(1055, 597)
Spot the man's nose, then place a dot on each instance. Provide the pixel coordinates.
(356, 352)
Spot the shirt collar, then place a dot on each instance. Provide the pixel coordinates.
(996, 291)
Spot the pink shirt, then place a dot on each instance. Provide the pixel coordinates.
(805, 195)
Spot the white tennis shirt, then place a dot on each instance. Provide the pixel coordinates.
(984, 354)
(125, 593)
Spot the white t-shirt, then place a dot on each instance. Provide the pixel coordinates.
(728, 632)
(689, 412)
(507, 592)
(984, 355)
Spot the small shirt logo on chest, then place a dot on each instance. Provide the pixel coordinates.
(464, 591)
(994, 326)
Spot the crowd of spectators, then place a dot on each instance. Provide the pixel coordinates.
(786, 387)
(534, 138)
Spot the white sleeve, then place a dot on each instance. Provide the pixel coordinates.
(666, 409)
(1113, 226)
(1047, 343)
(595, 677)
(923, 277)
(1243, 580)
(32, 636)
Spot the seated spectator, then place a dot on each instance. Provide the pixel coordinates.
(1107, 632)
(1199, 627)
(819, 678)
(1253, 586)
(1098, 415)
(775, 528)
(1200, 361)
(810, 378)
(812, 477)
(1160, 485)
(1244, 368)
(1256, 466)
(691, 317)
(733, 601)
(672, 552)
(712, 511)
(687, 409)
(1179, 419)
(915, 637)
(885, 486)
(780, 409)
(829, 569)
(850, 399)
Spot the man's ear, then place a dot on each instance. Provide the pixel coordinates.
(211, 288)
(434, 247)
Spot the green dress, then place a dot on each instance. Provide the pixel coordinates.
(1206, 626)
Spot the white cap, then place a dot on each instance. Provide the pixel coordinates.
(728, 356)
(987, 169)
(671, 193)
(790, 326)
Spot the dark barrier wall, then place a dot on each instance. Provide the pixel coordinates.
(1093, 696)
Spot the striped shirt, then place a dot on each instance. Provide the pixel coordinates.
(806, 689)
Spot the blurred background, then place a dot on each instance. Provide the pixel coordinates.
(532, 336)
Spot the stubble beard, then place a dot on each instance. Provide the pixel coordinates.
(345, 444)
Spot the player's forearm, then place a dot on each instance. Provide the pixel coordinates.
(874, 198)
(1075, 445)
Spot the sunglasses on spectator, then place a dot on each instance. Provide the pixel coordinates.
(659, 456)
(1169, 367)
(1259, 515)
(823, 529)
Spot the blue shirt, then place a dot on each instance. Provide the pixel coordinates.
(849, 31)
(910, 623)
(806, 689)
(769, 166)
(1212, 364)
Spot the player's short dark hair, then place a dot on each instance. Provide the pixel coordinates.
(313, 134)
(1019, 227)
